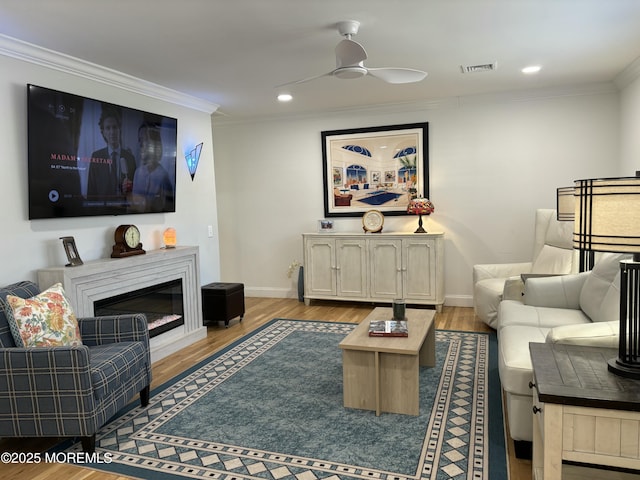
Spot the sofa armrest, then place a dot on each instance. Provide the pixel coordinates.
(596, 334)
(555, 292)
(114, 328)
(499, 270)
(513, 289)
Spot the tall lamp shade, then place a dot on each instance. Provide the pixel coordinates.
(608, 220)
(565, 204)
(607, 215)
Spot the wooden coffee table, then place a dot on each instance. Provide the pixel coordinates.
(382, 373)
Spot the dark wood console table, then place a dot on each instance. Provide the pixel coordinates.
(584, 413)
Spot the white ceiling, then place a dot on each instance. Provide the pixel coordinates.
(234, 53)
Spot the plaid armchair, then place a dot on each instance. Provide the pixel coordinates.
(71, 391)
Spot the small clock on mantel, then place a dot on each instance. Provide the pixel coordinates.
(127, 242)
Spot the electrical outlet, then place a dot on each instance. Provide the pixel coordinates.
(210, 230)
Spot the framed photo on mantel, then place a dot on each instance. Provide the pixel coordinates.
(377, 167)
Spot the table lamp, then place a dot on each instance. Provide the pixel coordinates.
(565, 204)
(420, 206)
(608, 214)
(566, 212)
(169, 237)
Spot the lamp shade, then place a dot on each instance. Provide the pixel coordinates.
(565, 204)
(607, 215)
(169, 237)
(420, 206)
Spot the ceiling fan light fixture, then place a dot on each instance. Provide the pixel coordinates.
(350, 57)
(353, 71)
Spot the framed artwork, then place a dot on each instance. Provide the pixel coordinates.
(376, 167)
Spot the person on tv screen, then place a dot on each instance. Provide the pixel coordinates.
(152, 188)
(111, 168)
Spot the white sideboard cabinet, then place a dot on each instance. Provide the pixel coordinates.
(374, 267)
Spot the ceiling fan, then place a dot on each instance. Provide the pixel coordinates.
(350, 56)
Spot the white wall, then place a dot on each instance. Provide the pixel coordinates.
(493, 161)
(630, 126)
(29, 245)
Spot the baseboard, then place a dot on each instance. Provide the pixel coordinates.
(458, 300)
(266, 292)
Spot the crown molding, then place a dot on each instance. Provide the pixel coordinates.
(628, 75)
(528, 95)
(27, 52)
(514, 96)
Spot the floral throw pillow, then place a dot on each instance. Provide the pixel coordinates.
(46, 320)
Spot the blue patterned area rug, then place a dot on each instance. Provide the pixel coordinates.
(269, 407)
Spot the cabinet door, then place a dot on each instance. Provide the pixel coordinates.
(351, 267)
(319, 267)
(419, 269)
(385, 256)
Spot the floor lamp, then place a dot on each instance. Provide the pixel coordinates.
(608, 210)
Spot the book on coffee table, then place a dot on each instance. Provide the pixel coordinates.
(388, 328)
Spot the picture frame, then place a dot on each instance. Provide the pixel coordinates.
(70, 249)
(325, 226)
(380, 167)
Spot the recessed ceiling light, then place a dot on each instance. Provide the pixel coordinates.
(285, 97)
(531, 69)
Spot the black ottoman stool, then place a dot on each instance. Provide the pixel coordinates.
(222, 302)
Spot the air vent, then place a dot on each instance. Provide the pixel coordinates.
(485, 67)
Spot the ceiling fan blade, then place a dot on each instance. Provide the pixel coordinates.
(349, 52)
(308, 79)
(397, 75)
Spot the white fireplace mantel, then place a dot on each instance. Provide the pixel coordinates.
(108, 277)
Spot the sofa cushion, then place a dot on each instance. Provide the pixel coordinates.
(44, 320)
(114, 365)
(514, 363)
(511, 312)
(556, 291)
(595, 334)
(24, 289)
(559, 234)
(553, 260)
(600, 295)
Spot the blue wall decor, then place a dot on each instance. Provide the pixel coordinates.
(193, 157)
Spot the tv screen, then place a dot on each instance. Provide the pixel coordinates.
(88, 157)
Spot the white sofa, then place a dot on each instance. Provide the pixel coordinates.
(578, 309)
(552, 253)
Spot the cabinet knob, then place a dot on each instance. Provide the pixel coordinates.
(536, 410)
(531, 384)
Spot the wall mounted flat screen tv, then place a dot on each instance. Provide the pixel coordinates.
(87, 157)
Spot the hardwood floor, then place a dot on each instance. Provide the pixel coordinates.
(258, 312)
